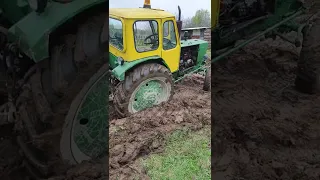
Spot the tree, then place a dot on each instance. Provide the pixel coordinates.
(187, 23)
(201, 18)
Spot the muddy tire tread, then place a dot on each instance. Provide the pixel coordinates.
(207, 80)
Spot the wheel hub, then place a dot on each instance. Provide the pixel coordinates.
(149, 93)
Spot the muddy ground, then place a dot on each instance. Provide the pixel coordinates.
(145, 132)
(130, 138)
(263, 127)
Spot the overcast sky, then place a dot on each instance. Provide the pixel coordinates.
(188, 7)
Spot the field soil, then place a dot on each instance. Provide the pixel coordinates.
(145, 132)
(262, 127)
(130, 138)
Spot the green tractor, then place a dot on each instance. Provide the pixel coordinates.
(147, 55)
(57, 73)
(235, 20)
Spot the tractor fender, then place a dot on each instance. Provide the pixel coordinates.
(32, 32)
(120, 71)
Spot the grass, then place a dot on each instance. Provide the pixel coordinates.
(186, 156)
(209, 52)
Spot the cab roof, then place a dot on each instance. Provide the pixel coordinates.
(136, 13)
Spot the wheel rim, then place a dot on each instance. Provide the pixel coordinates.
(90, 122)
(150, 92)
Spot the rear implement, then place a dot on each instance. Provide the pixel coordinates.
(250, 21)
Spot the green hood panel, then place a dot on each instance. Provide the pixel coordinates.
(192, 42)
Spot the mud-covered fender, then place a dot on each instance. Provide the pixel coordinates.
(32, 32)
(120, 70)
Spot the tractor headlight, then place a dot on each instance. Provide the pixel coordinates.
(120, 61)
(38, 5)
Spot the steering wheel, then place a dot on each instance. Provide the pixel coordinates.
(117, 39)
(152, 40)
(166, 41)
(167, 44)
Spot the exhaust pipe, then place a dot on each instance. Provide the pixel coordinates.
(147, 4)
(179, 10)
(179, 22)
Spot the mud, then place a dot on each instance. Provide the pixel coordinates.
(144, 133)
(263, 127)
(130, 138)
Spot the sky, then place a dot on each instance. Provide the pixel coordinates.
(187, 9)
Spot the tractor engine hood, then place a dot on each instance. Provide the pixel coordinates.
(192, 42)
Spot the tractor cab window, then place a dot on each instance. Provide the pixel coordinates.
(169, 35)
(146, 35)
(116, 33)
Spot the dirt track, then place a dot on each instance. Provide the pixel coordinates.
(263, 127)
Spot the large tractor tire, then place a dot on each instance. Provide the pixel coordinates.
(146, 86)
(63, 108)
(207, 80)
(3, 39)
(308, 71)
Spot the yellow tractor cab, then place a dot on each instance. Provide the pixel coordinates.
(136, 35)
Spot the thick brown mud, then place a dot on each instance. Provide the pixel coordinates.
(130, 138)
(145, 132)
(263, 127)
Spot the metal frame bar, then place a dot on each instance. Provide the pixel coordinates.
(256, 37)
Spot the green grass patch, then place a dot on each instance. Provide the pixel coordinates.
(209, 52)
(186, 156)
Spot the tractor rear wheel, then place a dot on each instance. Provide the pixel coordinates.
(145, 86)
(207, 80)
(308, 71)
(63, 108)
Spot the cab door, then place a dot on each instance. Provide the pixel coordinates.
(170, 44)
